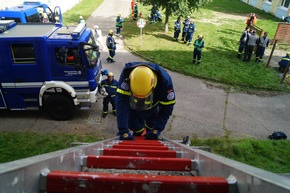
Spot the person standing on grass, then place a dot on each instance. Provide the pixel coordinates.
(191, 30)
(186, 23)
(198, 45)
(177, 27)
(135, 17)
(251, 41)
(132, 8)
(243, 39)
(252, 19)
(263, 42)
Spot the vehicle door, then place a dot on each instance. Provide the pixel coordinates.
(68, 64)
(23, 77)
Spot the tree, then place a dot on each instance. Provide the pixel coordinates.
(176, 7)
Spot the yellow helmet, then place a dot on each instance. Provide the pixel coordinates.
(81, 17)
(111, 31)
(119, 15)
(110, 74)
(142, 81)
(288, 54)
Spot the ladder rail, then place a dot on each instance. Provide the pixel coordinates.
(23, 175)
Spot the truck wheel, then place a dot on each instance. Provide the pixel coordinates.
(60, 107)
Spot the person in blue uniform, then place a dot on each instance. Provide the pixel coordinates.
(284, 62)
(186, 23)
(144, 100)
(111, 45)
(110, 86)
(177, 27)
(190, 32)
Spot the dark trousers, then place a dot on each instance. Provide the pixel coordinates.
(189, 37)
(176, 34)
(111, 54)
(248, 53)
(241, 49)
(260, 53)
(196, 54)
(138, 119)
(108, 99)
(183, 36)
(118, 30)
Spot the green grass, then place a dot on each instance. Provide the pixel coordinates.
(219, 62)
(85, 9)
(18, 145)
(265, 154)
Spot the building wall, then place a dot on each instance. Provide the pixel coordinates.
(273, 7)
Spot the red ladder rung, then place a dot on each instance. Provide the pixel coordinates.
(141, 143)
(139, 163)
(139, 152)
(121, 146)
(78, 182)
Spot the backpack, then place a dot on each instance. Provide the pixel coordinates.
(277, 135)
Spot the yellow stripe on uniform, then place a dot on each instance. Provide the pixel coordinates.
(167, 103)
(124, 92)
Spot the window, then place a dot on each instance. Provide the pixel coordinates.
(35, 18)
(23, 53)
(285, 3)
(66, 56)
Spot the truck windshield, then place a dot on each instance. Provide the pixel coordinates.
(92, 53)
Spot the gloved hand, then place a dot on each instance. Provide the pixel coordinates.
(105, 72)
(103, 92)
(152, 134)
(125, 134)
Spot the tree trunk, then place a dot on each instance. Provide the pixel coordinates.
(166, 20)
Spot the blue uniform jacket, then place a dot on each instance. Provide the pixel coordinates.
(284, 61)
(111, 44)
(164, 96)
(110, 87)
(177, 25)
(191, 28)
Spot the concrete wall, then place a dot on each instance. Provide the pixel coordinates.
(273, 7)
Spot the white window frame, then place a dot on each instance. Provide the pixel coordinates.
(283, 3)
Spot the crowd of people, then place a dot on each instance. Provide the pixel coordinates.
(143, 98)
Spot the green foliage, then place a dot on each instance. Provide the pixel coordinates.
(265, 154)
(18, 145)
(222, 31)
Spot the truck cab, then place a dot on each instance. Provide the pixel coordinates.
(52, 67)
(32, 12)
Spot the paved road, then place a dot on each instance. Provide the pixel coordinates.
(203, 109)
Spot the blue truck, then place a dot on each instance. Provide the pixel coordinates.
(32, 12)
(52, 67)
